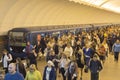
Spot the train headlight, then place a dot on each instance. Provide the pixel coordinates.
(23, 50)
(11, 49)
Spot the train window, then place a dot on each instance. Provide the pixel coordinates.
(16, 36)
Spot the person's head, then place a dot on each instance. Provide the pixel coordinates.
(50, 63)
(28, 42)
(2, 73)
(64, 56)
(95, 57)
(117, 41)
(68, 45)
(52, 52)
(32, 67)
(12, 68)
(4, 51)
(18, 60)
(87, 45)
(72, 63)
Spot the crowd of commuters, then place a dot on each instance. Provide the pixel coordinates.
(69, 55)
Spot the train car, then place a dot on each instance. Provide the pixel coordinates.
(17, 37)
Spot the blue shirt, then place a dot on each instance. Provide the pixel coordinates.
(95, 66)
(16, 76)
(116, 47)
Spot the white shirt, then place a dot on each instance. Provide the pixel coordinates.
(5, 60)
(68, 50)
(48, 72)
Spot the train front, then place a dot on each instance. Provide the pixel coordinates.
(17, 44)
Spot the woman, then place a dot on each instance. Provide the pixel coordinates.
(63, 62)
(20, 67)
(102, 53)
(49, 71)
(33, 73)
(5, 59)
(80, 61)
(72, 71)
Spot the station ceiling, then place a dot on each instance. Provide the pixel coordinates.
(111, 5)
(25, 13)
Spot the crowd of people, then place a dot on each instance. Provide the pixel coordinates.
(69, 55)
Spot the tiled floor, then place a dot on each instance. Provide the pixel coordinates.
(111, 70)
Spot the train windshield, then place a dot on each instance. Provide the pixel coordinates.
(17, 38)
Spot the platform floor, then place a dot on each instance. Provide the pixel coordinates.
(111, 70)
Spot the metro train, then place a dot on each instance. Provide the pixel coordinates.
(17, 37)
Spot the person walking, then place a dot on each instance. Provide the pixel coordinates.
(49, 71)
(95, 67)
(5, 59)
(13, 74)
(33, 73)
(20, 67)
(116, 50)
(72, 71)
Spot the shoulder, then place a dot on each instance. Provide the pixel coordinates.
(28, 72)
(91, 60)
(98, 61)
(38, 72)
(7, 76)
(19, 75)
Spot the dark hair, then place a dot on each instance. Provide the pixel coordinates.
(18, 59)
(95, 55)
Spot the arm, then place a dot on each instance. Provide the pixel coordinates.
(9, 58)
(53, 73)
(21, 77)
(35, 54)
(1, 60)
(99, 66)
(71, 51)
(39, 76)
(90, 66)
(26, 77)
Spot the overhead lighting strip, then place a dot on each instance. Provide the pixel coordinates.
(102, 4)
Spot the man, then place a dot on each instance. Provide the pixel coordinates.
(13, 75)
(95, 67)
